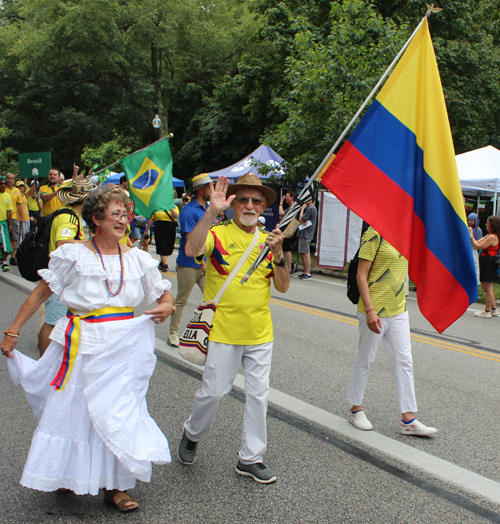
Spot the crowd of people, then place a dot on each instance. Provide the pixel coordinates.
(88, 388)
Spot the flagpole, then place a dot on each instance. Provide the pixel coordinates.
(128, 156)
(303, 197)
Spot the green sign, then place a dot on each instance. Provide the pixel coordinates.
(34, 164)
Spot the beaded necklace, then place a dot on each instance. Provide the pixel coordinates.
(106, 283)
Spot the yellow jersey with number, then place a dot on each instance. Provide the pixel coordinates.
(242, 316)
(65, 226)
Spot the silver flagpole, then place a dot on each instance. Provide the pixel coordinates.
(305, 194)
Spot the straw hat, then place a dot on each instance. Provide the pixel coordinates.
(252, 181)
(199, 181)
(75, 193)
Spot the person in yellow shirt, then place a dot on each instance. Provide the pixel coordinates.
(242, 331)
(26, 224)
(5, 222)
(48, 193)
(17, 215)
(34, 204)
(165, 225)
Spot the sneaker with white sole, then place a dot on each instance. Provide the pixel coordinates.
(495, 312)
(416, 428)
(257, 471)
(483, 314)
(359, 420)
(173, 340)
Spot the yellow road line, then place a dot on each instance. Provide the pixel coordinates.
(417, 338)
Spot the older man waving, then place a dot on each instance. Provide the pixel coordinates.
(242, 331)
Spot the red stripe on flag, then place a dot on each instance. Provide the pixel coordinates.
(367, 191)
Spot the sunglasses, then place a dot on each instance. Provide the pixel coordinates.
(255, 201)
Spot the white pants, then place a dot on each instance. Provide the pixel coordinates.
(223, 362)
(395, 334)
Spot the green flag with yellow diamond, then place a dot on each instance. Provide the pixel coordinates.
(149, 176)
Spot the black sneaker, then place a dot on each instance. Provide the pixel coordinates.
(305, 276)
(164, 268)
(13, 261)
(257, 471)
(187, 450)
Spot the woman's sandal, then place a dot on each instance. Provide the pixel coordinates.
(120, 505)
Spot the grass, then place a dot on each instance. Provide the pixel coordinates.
(482, 296)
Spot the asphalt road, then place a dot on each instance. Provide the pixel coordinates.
(324, 474)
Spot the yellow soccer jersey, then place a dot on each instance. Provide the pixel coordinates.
(33, 204)
(387, 275)
(5, 205)
(243, 316)
(26, 213)
(52, 205)
(161, 216)
(65, 227)
(16, 199)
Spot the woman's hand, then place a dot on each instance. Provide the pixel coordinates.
(8, 345)
(373, 321)
(161, 312)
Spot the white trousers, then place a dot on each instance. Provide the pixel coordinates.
(395, 334)
(223, 362)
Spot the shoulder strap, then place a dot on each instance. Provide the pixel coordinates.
(169, 215)
(237, 267)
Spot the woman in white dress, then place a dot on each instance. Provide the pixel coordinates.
(88, 390)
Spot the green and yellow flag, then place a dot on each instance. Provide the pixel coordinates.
(149, 176)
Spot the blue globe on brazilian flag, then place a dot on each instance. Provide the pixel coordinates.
(149, 176)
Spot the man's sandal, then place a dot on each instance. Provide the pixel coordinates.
(120, 505)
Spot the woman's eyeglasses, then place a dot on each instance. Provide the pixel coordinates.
(255, 201)
(117, 216)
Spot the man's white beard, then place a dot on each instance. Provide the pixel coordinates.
(249, 220)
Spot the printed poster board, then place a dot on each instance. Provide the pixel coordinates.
(339, 232)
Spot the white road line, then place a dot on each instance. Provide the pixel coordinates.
(442, 469)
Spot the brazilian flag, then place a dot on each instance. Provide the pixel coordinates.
(149, 176)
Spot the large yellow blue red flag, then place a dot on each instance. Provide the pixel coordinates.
(149, 176)
(398, 172)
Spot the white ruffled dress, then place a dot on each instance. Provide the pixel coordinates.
(96, 432)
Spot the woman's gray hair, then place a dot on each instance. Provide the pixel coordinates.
(96, 204)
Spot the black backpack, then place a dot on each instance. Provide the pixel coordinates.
(352, 274)
(33, 252)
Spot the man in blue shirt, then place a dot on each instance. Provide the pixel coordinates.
(189, 272)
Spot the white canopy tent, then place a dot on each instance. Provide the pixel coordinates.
(479, 172)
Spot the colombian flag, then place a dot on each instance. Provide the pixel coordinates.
(149, 175)
(398, 172)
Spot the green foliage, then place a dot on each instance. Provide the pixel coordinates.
(226, 76)
(328, 78)
(106, 154)
(8, 155)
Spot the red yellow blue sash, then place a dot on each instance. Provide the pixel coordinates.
(105, 314)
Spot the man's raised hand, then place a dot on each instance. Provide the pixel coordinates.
(218, 201)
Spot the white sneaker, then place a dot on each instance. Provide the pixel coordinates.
(359, 420)
(173, 340)
(483, 314)
(495, 312)
(415, 428)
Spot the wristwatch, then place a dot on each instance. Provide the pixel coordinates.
(281, 263)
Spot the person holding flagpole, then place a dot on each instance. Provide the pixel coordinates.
(88, 390)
